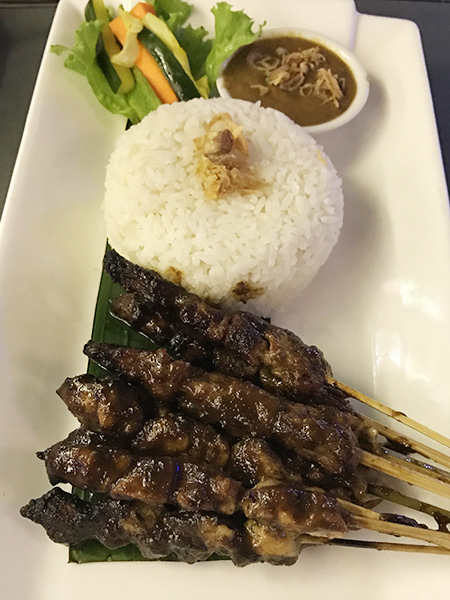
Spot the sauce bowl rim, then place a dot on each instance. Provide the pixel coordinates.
(346, 55)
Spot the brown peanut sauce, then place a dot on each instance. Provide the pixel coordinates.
(242, 80)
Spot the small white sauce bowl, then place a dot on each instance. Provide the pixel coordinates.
(360, 75)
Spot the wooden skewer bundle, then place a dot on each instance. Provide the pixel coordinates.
(415, 472)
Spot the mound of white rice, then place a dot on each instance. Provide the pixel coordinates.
(273, 239)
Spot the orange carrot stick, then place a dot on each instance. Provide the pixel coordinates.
(147, 65)
(141, 9)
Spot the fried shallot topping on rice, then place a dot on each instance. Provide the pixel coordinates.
(223, 165)
(292, 71)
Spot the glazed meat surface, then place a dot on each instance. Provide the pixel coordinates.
(108, 406)
(294, 509)
(285, 364)
(154, 480)
(116, 409)
(177, 435)
(321, 435)
(252, 461)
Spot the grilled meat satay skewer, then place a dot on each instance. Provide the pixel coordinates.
(281, 358)
(110, 407)
(326, 437)
(289, 507)
(190, 536)
(322, 436)
(184, 342)
(285, 364)
(283, 512)
(276, 505)
(157, 532)
(170, 434)
(107, 469)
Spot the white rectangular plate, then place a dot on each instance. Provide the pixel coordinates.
(379, 308)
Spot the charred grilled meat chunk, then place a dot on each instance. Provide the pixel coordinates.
(181, 340)
(292, 508)
(108, 406)
(160, 531)
(106, 469)
(181, 483)
(86, 466)
(176, 435)
(156, 371)
(284, 363)
(322, 435)
(69, 520)
(252, 460)
(185, 343)
(157, 532)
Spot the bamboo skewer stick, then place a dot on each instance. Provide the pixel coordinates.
(419, 467)
(417, 447)
(394, 414)
(440, 515)
(392, 546)
(426, 535)
(364, 518)
(406, 473)
(370, 545)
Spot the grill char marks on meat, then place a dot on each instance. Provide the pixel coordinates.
(284, 363)
(181, 340)
(186, 343)
(105, 469)
(157, 532)
(322, 436)
(108, 406)
(160, 531)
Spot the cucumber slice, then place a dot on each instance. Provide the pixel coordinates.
(120, 79)
(96, 9)
(105, 64)
(181, 83)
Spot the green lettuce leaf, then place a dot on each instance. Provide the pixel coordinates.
(197, 46)
(173, 12)
(233, 29)
(82, 59)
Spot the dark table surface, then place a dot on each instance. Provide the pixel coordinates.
(24, 28)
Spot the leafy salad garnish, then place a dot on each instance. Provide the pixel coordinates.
(92, 56)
